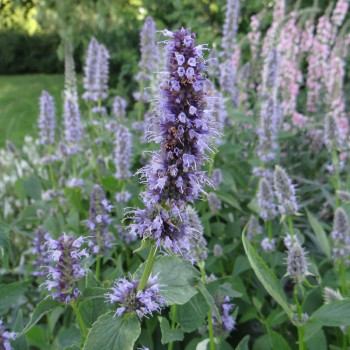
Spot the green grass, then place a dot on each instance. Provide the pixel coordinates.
(19, 104)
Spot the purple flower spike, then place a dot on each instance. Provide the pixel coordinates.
(41, 258)
(46, 121)
(66, 254)
(184, 130)
(230, 27)
(122, 152)
(143, 302)
(99, 221)
(119, 107)
(5, 337)
(96, 72)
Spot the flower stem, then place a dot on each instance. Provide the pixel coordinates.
(98, 266)
(343, 277)
(336, 185)
(210, 320)
(269, 228)
(173, 316)
(299, 326)
(148, 268)
(79, 320)
(291, 230)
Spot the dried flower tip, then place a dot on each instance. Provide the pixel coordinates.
(214, 202)
(217, 250)
(266, 200)
(143, 302)
(285, 192)
(296, 263)
(330, 295)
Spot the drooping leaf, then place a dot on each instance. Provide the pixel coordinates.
(113, 333)
(266, 276)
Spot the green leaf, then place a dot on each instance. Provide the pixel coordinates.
(42, 309)
(177, 278)
(37, 337)
(192, 315)
(10, 293)
(317, 342)
(4, 235)
(230, 200)
(209, 299)
(93, 293)
(168, 334)
(32, 187)
(266, 276)
(333, 314)
(320, 234)
(90, 280)
(113, 333)
(243, 344)
(68, 337)
(19, 343)
(91, 310)
(277, 341)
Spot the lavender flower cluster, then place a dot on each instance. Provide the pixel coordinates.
(46, 120)
(297, 263)
(173, 177)
(340, 235)
(143, 302)
(266, 200)
(66, 254)
(99, 221)
(5, 337)
(39, 249)
(122, 155)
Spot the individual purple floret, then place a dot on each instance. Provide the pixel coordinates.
(216, 177)
(46, 121)
(268, 245)
(122, 155)
(66, 254)
(230, 27)
(285, 192)
(5, 337)
(96, 72)
(119, 107)
(123, 197)
(149, 51)
(266, 200)
(183, 129)
(143, 302)
(41, 258)
(99, 222)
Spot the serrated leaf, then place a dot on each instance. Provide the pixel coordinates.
(176, 277)
(168, 334)
(320, 234)
(266, 276)
(42, 309)
(113, 333)
(333, 314)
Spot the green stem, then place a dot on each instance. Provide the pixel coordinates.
(148, 268)
(269, 228)
(48, 327)
(173, 317)
(291, 230)
(98, 267)
(210, 320)
(336, 185)
(80, 320)
(343, 278)
(299, 312)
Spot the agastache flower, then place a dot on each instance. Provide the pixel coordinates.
(71, 114)
(330, 295)
(285, 192)
(297, 263)
(331, 132)
(119, 107)
(46, 121)
(266, 200)
(268, 245)
(254, 37)
(149, 51)
(227, 76)
(271, 69)
(99, 221)
(183, 129)
(122, 155)
(96, 72)
(66, 254)
(253, 228)
(230, 28)
(123, 197)
(340, 235)
(216, 177)
(41, 258)
(144, 302)
(197, 244)
(214, 202)
(5, 337)
(344, 195)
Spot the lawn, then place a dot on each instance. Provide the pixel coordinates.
(19, 103)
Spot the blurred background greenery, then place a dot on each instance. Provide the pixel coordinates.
(32, 33)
